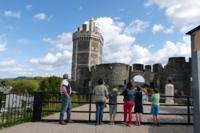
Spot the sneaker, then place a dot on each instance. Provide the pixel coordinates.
(129, 125)
(137, 124)
(62, 123)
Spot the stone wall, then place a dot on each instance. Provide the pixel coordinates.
(155, 76)
(113, 74)
(179, 72)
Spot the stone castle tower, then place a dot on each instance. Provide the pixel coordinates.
(87, 51)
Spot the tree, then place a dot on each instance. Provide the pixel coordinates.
(22, 86)
(44, 85)
(50, 84)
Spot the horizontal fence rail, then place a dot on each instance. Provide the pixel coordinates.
(51, 104)
(37, 106)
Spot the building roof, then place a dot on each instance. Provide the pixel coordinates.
(193, 30)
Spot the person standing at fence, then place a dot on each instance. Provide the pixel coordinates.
(138, 110)
(69, 108)
(129, 95)
(65, 91)
(113, 105)
(155, 99)
(101, 94)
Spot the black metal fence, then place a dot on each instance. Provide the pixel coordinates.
(179, 113)
(17, 108)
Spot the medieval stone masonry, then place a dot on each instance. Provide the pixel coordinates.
(87, 66)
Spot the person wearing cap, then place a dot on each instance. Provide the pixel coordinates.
(65, 91)
(113, 105)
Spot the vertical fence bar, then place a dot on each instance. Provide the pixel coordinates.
(8, 108)
(188, 109)
(12, 112)
(90, 102)
(14, 107)
(1, 106)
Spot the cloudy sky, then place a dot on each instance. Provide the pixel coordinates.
(36, 36)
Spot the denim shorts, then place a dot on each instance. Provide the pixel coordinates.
(155, 109)
(112, 109)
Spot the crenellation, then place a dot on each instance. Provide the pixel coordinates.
(148, 68)
(87, 66)
(138, 67)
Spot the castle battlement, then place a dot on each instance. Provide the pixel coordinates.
(87, 67)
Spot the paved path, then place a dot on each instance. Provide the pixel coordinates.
(119, 117)
(54, 127)
(88, 128)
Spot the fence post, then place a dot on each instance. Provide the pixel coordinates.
(90, 102)
(37, 106)
(188, 109)
(1, 95)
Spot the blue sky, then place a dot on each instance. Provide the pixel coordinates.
(35, 36)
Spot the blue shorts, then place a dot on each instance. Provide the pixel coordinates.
(155, 109)
(113, 109)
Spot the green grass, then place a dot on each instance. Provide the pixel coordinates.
(12, 117)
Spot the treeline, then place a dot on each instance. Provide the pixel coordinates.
(23, 85)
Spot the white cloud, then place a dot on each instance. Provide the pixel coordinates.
(118, 47)
(54, 59)
(9, 71)
(121, 47)
(169, 30)
(62, 41)
(180, 12)
(15, 14)
(2, 46)
(116, 42)
(172, 49)
(57, 60)
(157, 28)
(140, 54)
(29, 7)
(7, 62)
(136, 26)
(160, 28)
(187, 28)
(42, 17)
